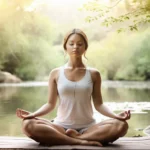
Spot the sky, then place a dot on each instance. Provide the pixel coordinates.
(67, 2)
(65, 13)
(61, 11)
(63, 6)
(60, 2)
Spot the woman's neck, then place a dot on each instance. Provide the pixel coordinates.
(75, 63)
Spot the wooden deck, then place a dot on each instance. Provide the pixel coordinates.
(24, 143)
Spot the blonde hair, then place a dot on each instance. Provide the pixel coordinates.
(76, 31)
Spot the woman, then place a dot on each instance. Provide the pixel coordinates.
(74, 84)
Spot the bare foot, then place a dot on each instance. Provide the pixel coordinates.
(91, 143)
(75, 134)
(72, 133)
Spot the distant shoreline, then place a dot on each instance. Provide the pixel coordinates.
(105, 84)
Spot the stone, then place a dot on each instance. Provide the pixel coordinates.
(6, 77)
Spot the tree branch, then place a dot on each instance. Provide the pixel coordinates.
(110, 7)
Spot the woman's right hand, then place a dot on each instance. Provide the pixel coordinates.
(23, 114)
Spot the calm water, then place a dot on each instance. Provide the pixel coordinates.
(116, 95)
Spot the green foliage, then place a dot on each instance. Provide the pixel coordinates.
(125, 59)
(109, 54)
(128, 58)
(135, 13)
(140, 61)
(26, 40)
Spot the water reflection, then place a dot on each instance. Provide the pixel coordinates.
(7, 92)
(126, 95)
(32, 97)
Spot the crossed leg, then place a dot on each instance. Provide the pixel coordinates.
(45, 132)
(103, 132)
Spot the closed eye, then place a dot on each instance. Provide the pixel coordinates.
(77, 44)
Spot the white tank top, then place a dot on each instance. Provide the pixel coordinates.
(75, 108)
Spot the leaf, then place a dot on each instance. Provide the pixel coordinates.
(139, 13)
(126, 17)
(135, 28)
(119, 30)
(148, 16)
(136, 15)
(80, 9)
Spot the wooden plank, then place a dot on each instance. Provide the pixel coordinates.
(24, 143)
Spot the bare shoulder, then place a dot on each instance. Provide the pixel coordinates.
(95, 74)
(54, 73)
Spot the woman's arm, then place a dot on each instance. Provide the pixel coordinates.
(98, 102)
(52, 97)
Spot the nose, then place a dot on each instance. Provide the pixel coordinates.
(75, 46)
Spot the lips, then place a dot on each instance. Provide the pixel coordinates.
(74, 52)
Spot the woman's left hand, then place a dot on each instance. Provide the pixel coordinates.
(124, 115)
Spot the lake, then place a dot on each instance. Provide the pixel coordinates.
(117, 95)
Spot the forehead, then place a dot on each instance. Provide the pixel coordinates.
(76, 37)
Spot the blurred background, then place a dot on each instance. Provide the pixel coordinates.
(31, 37)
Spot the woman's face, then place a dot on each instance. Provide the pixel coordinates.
(75, 45)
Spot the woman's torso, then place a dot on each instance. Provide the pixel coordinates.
(74, 91)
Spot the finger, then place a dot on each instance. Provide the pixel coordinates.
(128, 116)
(18, 113)
(129, 113)
(121, 117)
(17, 110)
(25, 112)
(25, 117)
(22, 115)
(28, 117)
(21, 112)
(125, 115)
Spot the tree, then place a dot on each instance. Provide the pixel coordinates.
(26, 39)
(132, 14)
(11, 16)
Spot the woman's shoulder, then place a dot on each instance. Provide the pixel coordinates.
(55, 70)
(93, 70)
(54, 73)
(94, 73)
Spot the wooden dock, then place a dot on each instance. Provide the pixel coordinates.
(24, 143)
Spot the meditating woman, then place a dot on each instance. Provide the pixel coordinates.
(76, 86)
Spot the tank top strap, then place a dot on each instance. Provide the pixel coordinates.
(61, 73)
(88, 71)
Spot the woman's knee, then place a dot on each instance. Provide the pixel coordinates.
(28, 126)
(121, 127)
